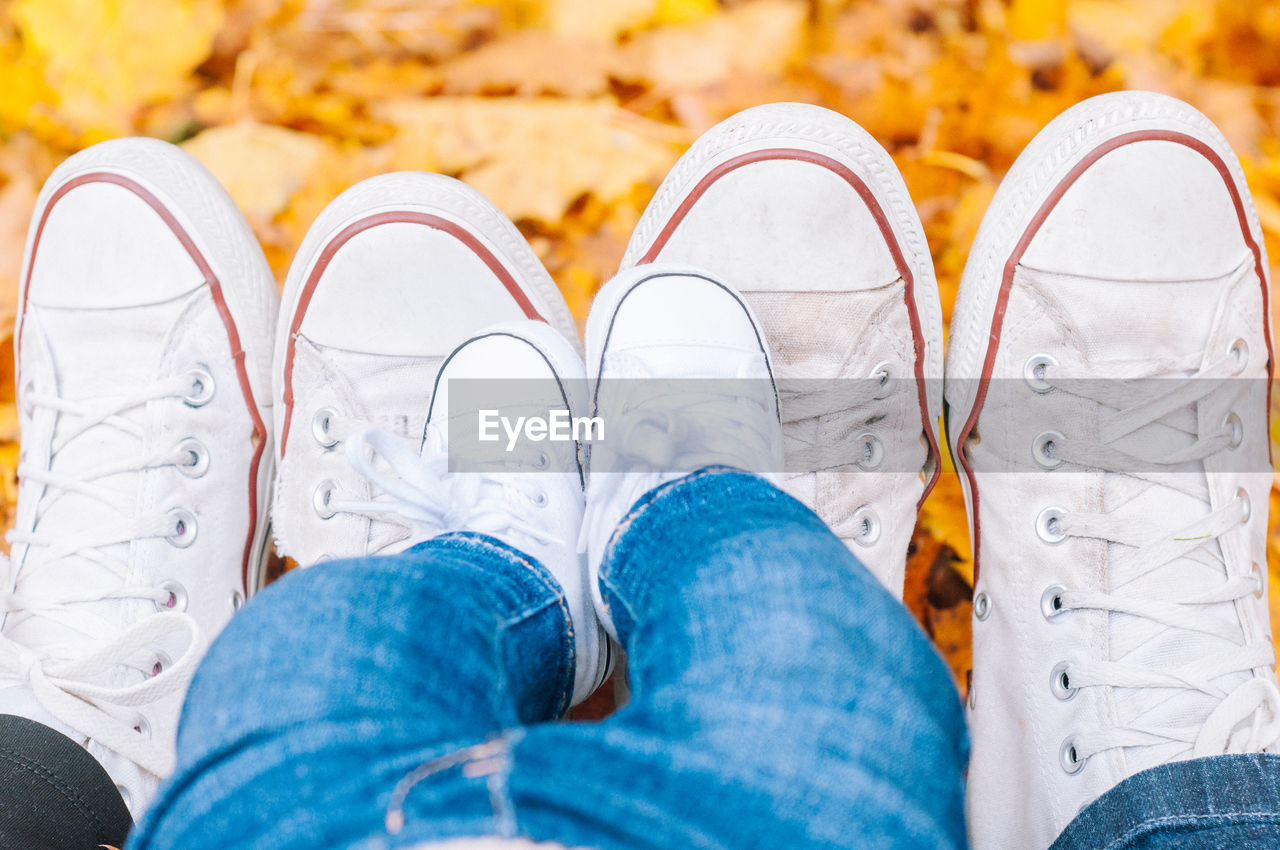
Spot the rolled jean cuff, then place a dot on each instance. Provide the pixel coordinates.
(1220, 801)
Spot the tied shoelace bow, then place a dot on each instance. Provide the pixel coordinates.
(67, 678)
(1246, 716)
(421, 499)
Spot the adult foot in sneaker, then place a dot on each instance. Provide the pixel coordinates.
(1107, 382)
(394, 275)
(143, 347)
(680, 375)
(801, 210)
(526, 492)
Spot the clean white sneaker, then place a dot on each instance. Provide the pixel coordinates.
(1107, 402)
(803, 212)
(396, 273)
(680, 375)
(143, 343)
(527, 493)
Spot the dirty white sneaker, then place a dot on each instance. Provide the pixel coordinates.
(525, 491)
(1107, 399)
(679, 372)
(803, 212)
(142, 349)
(395, 274)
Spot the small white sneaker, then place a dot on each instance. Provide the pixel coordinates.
(143, 348)
(803, 212)
(394, 275)
(1107, 389)
(530, 497)
(679, 372)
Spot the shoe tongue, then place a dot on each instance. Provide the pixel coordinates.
(1175, 316)
(132, 342)
(390, 393)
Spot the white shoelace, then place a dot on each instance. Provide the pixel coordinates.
(1147, 547)
(67, 678)
(420, 499)
(838, 410)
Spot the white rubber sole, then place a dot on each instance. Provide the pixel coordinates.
(822, 131)
(208, 215)
(1034, 176)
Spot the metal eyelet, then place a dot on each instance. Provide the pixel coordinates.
(972, 696)
(321, 423)
(184, 528)
(1069, 758)
(867, 522)
(981, 605)
(1243, 496)
(1033, 372)
(322, 499)
(197, 463)
(237, 601)
(1060, 682)
(542, 461)
(883, 375)
(1049, 525)
(202, 387)
(872, 452)
(176, 598)
(1051, 601)
(1260, 579)
(539, 499)
(1233, 426)
(1043, 449)
(1240, 351)
(142, 726)
(161, 663)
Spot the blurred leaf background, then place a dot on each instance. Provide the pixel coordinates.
(568, 113)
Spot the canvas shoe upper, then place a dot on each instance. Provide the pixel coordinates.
(393, 275)
(142, 352)
(530, 496)
(680, 374)
(1107, 393)
(804, 213)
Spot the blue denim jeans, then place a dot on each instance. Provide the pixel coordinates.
(780, 698)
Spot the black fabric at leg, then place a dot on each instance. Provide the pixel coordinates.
(53, 794)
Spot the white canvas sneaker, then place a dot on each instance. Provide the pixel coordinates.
(142, 348)
(1107, 390)
(679, 371)
(530, 496)
(803, 212)
(394, 275)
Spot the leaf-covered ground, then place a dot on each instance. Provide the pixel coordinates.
(568, 113)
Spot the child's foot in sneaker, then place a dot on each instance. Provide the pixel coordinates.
(393, 276)
(529, 497)
(806, 214)
(1111, 344)
(143, 350)
(680, 375)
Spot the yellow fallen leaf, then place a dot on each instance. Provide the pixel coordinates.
(102, 59)
(760, 37)
(261, 166)
(532, 157)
